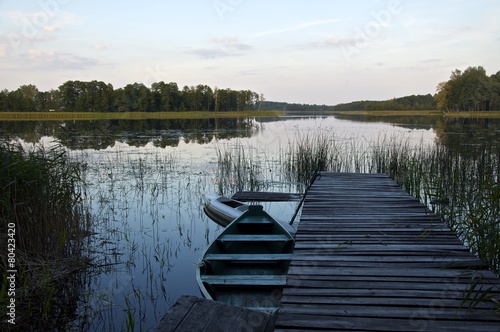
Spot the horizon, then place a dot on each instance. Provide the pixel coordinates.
(321, 52)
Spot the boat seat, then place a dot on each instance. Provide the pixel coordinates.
(255, 221)
(254, 237)
(245, 280)
(248, 257)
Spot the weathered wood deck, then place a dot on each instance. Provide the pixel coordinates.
(369, 257)
(194, 314)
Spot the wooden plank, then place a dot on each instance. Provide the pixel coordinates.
(314, 285)
(446, 310)
(177, 313)
(245, 280)
(191, 313)
(257, 196)
(303, 322)
(248, 257)
(256, 237)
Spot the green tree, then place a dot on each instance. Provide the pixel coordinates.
(160, 97)
(3, 100)
(207, 100)
(69, 95)
(494, 91)
(471, 90)
(133, 98)
(29, 95)
(442, 96)
(100, 96)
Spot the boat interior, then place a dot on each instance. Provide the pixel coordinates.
(247, 265)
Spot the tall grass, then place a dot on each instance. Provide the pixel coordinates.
(238, 168)
(40, 195)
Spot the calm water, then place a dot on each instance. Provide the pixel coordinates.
(145, 182)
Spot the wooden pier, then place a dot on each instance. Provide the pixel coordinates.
(194, 314)
(369, 257)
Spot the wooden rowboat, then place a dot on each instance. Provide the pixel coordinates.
(246, 265)
(223, 210)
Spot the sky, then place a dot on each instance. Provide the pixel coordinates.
(315, 51)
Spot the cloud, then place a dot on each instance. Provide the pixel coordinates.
(296, 27)
(28, 22)
(44, 59)
(231, 42)
(225, 46)
(208, 53)
(100, 47)
(336, 41)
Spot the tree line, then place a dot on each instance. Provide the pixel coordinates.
(283, 106)
(471, 90)
(413, 102)
(97, 96)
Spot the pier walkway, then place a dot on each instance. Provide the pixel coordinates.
(370, 257)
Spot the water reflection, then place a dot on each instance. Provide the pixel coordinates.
(403, 121)
(467, 135)
(99, 134)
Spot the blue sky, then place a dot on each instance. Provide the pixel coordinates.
(316, 51)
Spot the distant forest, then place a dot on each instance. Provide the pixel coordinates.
(418, 102)
(471, 90)
(468, 91)
(96, 96)
(282, 106)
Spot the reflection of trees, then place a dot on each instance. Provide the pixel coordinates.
(99, 134)
(403, 121)
(468, 134)
(30, 131)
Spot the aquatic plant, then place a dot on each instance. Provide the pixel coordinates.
(40, 200)
(238, 169)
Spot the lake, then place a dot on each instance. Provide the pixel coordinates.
(145, 182)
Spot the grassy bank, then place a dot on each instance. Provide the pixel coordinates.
(490, 114)
(61, 116)
(43, 220)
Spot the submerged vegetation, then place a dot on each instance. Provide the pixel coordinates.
(41, 205)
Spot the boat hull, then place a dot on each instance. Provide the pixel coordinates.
(223, 210)
(247, 264)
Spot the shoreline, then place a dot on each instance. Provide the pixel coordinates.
(85, 116)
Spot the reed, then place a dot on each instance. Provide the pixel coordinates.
(40, 195)
(307, 154)
(238, 169)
